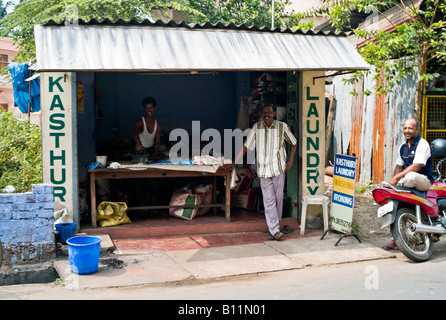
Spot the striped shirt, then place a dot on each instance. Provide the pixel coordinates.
(269, 144)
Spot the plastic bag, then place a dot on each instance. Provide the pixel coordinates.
(112, 214)
(19, 73)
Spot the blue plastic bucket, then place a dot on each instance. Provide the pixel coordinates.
(83, 254)
(66, 231)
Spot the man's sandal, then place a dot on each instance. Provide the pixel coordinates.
(278, 236)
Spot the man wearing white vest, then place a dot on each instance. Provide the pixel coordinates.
(148, 130)
(147, 137)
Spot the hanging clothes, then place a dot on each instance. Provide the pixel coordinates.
(19, 73)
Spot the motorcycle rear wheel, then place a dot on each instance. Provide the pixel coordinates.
(415, 246)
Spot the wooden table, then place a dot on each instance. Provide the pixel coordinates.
(124, 173)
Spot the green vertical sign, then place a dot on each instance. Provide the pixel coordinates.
(59, 147)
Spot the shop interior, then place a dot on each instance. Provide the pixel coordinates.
(109, 103)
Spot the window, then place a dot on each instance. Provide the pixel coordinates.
(3, 60)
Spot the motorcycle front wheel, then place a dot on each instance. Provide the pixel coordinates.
(415, 246)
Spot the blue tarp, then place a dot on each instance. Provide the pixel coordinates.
(20, 72)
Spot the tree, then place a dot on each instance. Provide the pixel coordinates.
(20, 153)
(19, 24)
(3, 7)
(408, 49)
(249, 12)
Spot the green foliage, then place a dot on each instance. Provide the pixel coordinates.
(19, 24)
(361, 188)
(20, 153)
(249, 12)
(405, 50)
(3, 7)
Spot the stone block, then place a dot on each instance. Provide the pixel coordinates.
(42, 188)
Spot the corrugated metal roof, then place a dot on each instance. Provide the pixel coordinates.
(158, 46)
(205, 25)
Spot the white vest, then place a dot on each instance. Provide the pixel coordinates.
(147, 139)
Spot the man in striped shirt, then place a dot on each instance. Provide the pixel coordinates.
(268, 138)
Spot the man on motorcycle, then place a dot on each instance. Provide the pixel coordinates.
(414, 163)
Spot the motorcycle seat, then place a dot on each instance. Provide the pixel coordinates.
(419, 193)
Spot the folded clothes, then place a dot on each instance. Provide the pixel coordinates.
(115, 165)
(210, 160)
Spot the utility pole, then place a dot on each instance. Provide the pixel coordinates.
(272, 16)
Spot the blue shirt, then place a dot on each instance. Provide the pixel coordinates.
(408, 155)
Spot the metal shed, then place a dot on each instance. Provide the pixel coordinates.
(65, 50)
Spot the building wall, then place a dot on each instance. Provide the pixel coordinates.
(181, 99)
(7, 48)
(26, 225)
(6, 92)
(307, 5)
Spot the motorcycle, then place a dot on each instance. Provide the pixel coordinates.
(417, 219)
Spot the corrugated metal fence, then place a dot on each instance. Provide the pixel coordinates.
(370, 127)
